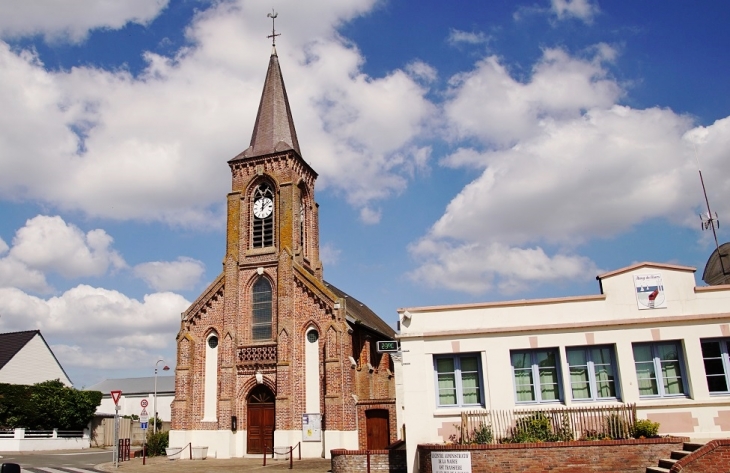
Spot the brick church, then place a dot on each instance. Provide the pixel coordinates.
(271, 354)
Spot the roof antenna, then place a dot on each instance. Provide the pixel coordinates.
(708, 220)
(273, 34)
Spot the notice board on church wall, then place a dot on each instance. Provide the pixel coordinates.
(311, 427)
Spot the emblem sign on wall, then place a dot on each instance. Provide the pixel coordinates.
(649, 291)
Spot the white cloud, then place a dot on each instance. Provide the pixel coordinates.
(184, 273)
(329, 254)
(575, 166)
(100, 328)
(175, 126)
(478, 267)
(370, 216)
(72, 19)
(490, 105)
(3, 246)
(458, 36)
(50, 244)
(581, 9)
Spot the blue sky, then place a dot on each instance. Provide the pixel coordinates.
(467, 151)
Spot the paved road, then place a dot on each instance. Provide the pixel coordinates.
(58, 462)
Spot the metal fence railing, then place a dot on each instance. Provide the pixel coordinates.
(580, 422)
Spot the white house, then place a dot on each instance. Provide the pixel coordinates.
(134, 390)
(26, 358)
(651, 337)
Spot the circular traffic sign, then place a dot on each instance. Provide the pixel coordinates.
(144, 403)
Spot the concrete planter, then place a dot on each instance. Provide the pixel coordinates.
(173, 453)
(200, 453)
(281, 453)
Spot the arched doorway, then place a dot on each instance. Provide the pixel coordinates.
(261, 419)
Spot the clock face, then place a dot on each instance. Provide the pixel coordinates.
(263, 207)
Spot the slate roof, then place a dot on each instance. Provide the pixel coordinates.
(11, 343)
(274, 129)
(132, 386)
(362, 313)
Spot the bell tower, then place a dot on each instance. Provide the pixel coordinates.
(270, 345)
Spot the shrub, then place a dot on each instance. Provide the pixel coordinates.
(538, 427)
(645, 428)
(482, 434)
(157, 443)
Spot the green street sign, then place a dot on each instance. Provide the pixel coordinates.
(387, 346)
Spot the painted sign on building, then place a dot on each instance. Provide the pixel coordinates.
(649, 291)
(450, 461)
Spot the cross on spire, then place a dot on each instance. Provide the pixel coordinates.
(273, 34)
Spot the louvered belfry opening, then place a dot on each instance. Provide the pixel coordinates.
(263, 228)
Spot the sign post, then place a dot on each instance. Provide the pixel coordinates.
(115, 397)
(143, 420)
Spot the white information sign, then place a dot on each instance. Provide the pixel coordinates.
(312, 427)
(649, 291)
(451, 461)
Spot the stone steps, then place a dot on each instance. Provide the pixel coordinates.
(665, 464)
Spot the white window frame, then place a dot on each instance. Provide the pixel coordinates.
(592, 385)
(457, 377)
(658, 369)
(537, 392)
(725, 358)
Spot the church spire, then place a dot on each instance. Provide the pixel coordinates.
(274, 129)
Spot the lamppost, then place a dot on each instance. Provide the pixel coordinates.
(154, 420)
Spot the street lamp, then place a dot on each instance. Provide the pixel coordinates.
(154, 420)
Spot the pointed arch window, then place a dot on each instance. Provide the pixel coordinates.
(302, 227)
(263, 216)
(261, 308)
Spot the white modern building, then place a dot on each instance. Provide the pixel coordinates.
(650, 337)
(134, 391)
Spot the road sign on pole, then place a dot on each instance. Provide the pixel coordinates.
(115, 396)
(144, 403)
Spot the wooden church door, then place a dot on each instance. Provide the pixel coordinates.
(261, 419)
(378, 429)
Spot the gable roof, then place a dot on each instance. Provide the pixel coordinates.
(646, 264)
(362, 313)
(132, 386)
(274, 129)
(11, 343)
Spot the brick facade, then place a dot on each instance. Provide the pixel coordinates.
(619, 456)
(366, 461)
(301, 300)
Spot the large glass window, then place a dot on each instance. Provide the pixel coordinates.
(717, 365)
(659, 369)
(261, 327)
(592, 372)
(458, 380)
(536, 375)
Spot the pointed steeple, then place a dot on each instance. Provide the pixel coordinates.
(274, 129)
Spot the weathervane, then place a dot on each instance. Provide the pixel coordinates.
(273, 34)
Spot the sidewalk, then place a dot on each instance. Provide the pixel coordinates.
(212, 465)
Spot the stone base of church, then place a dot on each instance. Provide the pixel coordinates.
(227, 444)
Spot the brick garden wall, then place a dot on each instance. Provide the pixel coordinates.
(620, 456)
(712, 458)
(356, 461)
